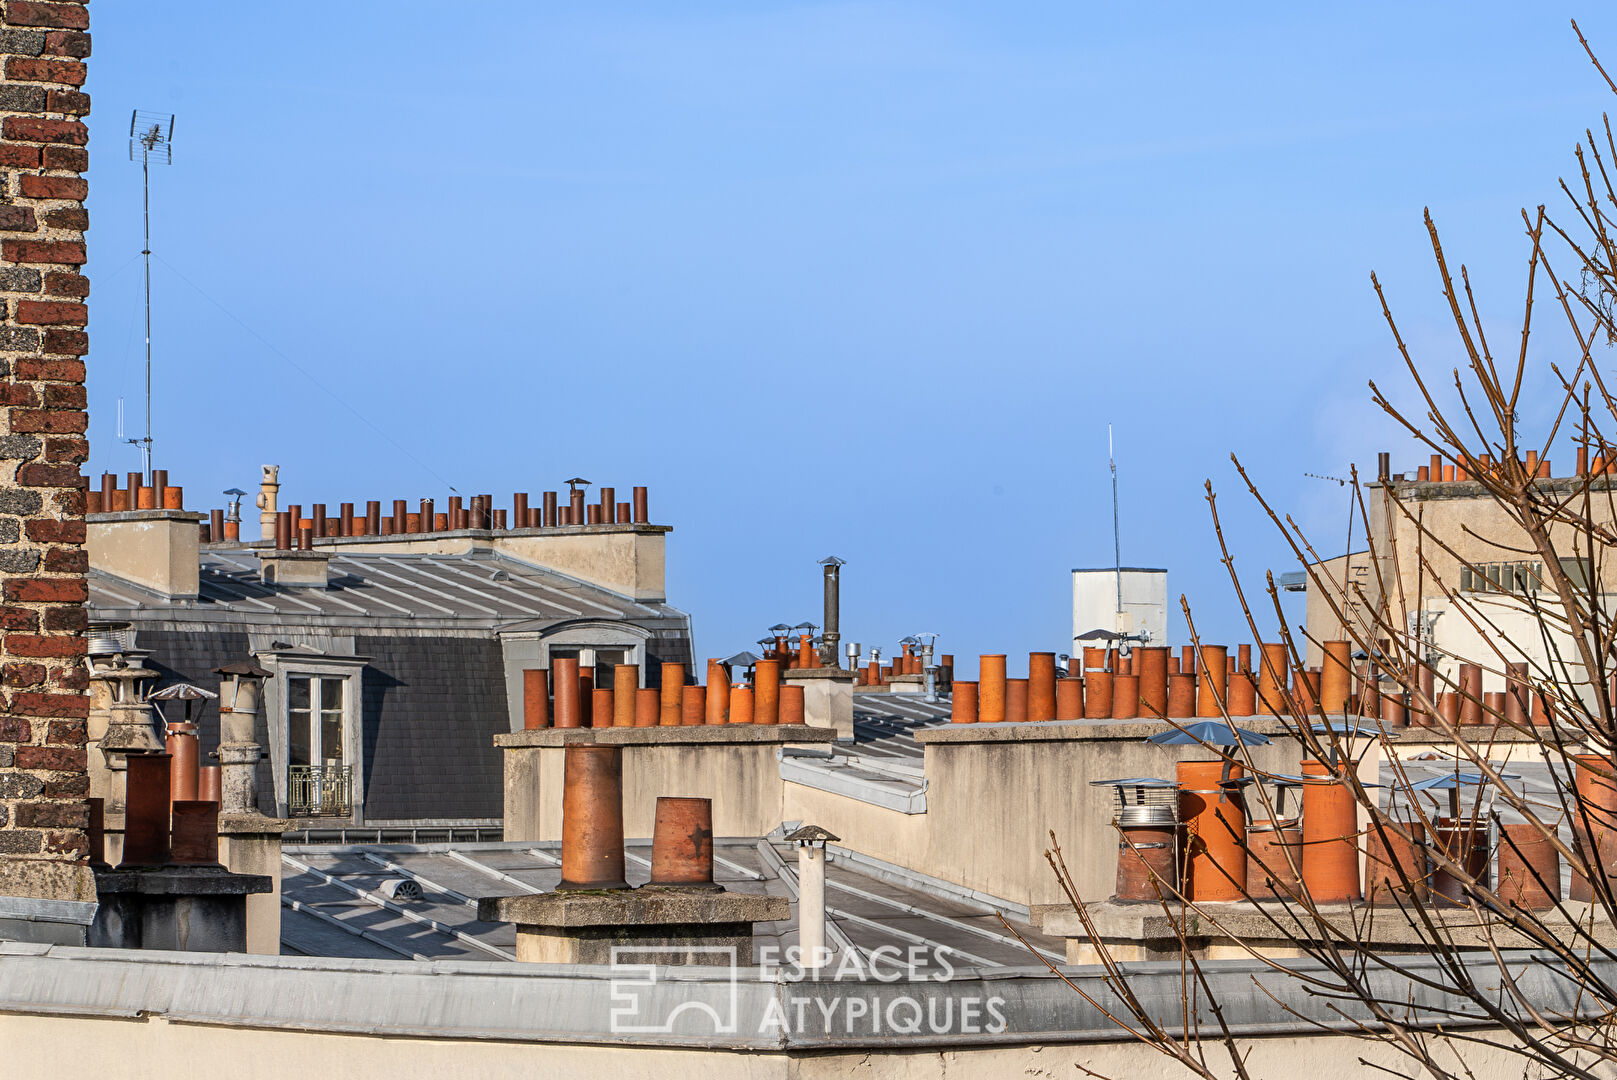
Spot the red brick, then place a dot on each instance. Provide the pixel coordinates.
(36, 475)
(66, 448)
(61, 283)
(41, 591)
(69, 252)
(35, 704)
(22, 674)
(67, 102)
(54, 187)
(50, 16)
(15, 730)
(69, 618)
(52, 815)
(67, 733)
(39, 129)
(72, 218)
(72, 843)
(71, 678)
(17, 219)
(13, 156)
(67, 561)
(66, 158)
(17, 394)
(46, 531)
(28, 69)
(37, 370)
(68, 787)
(52, 313)
(64, 396)
(67, 43)
(37, 422)
(70, 342)
(69, 502)
(39, 645)
(16, 618)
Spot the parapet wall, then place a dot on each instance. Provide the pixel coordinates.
(42, 444)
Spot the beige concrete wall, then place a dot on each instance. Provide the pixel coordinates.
(257, 853)
(156, 549)
(742, 779)
(153, 1048)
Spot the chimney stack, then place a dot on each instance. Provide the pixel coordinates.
(592, 818)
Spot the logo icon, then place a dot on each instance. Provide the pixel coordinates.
(641, 1005)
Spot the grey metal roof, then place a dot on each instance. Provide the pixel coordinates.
(479, 588)
(335, 903)
(883, 764)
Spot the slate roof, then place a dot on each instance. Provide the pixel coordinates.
(475, 589)
(334, 903)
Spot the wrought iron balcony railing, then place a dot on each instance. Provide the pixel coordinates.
(319, 791)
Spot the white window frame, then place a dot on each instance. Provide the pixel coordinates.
(287, 666)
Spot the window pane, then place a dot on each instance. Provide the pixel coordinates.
(331, 748)
(297, 722)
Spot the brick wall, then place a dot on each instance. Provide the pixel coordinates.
(43, 705)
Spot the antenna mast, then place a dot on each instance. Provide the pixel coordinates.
(1117, 543)
(151, 134)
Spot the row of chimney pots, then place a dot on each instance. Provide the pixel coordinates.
(1203, 845)
(1152, 682)
(293, 529)
(565, 696)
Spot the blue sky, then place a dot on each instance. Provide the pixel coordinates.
(863, 279)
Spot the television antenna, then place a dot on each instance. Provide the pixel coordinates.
(1117, 542)
(151, 136)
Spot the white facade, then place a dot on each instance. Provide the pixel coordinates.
(1144, 607)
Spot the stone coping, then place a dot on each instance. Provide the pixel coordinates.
(292, 553)
(649, 905)
(1269, 923)
(250, 824)
(144, 515)
(181, 881)
(681, 735)
(806, 673)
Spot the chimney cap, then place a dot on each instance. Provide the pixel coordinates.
(811, 834)
(181, 692)
(832, 560)
(242, 667)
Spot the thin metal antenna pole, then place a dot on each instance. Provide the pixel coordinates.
(1117, 542)
(146, 255)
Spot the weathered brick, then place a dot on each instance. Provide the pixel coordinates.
(21, 279)
(67, 733)
(22, 675)
(48, 423)
(71, 678)
(66, 158)
(14, 730)
(66, 448)
(17, 219)
(21, 842)
(39, 591)
(72, 218)
(53, 705)
(50, 16)
(67, 102)
(66, 787)
(37, 370)
(66, 43)
(67, 561)
(46, 531)
(41, 130)
(69, 500)
(16, 98)
(68, 618)
(54, 187)
(25, 447)
(51, 815)
(63, 396)
(15, 618)
(18, 561)
(61, 283)
(69, 843)
(70, 342)
(52, 313)
(67, 252)
(41, 645)
(20, 156)
(6, 759)
(22, 503)
(18, 394)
